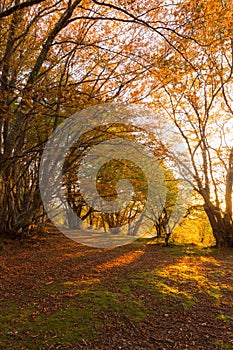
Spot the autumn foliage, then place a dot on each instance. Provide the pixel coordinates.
(58, 57)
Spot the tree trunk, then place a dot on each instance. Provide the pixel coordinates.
(222, 226)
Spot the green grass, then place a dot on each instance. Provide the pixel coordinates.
(160, 288)
(74, 320)
(23, 327)
(225, 318)
(223, 345)
(66, 325)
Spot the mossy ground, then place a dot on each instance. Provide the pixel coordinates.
(59, 295)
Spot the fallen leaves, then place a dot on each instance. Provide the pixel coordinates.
(121, 291)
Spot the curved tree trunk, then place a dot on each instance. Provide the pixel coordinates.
(222, 226)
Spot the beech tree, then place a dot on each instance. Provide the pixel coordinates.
(58, 57)
(197, 99)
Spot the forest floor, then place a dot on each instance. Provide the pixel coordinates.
(57, 294)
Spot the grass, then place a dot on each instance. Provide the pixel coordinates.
(225, 318)
(76, 319)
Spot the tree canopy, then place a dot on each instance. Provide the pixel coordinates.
(58, 57)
